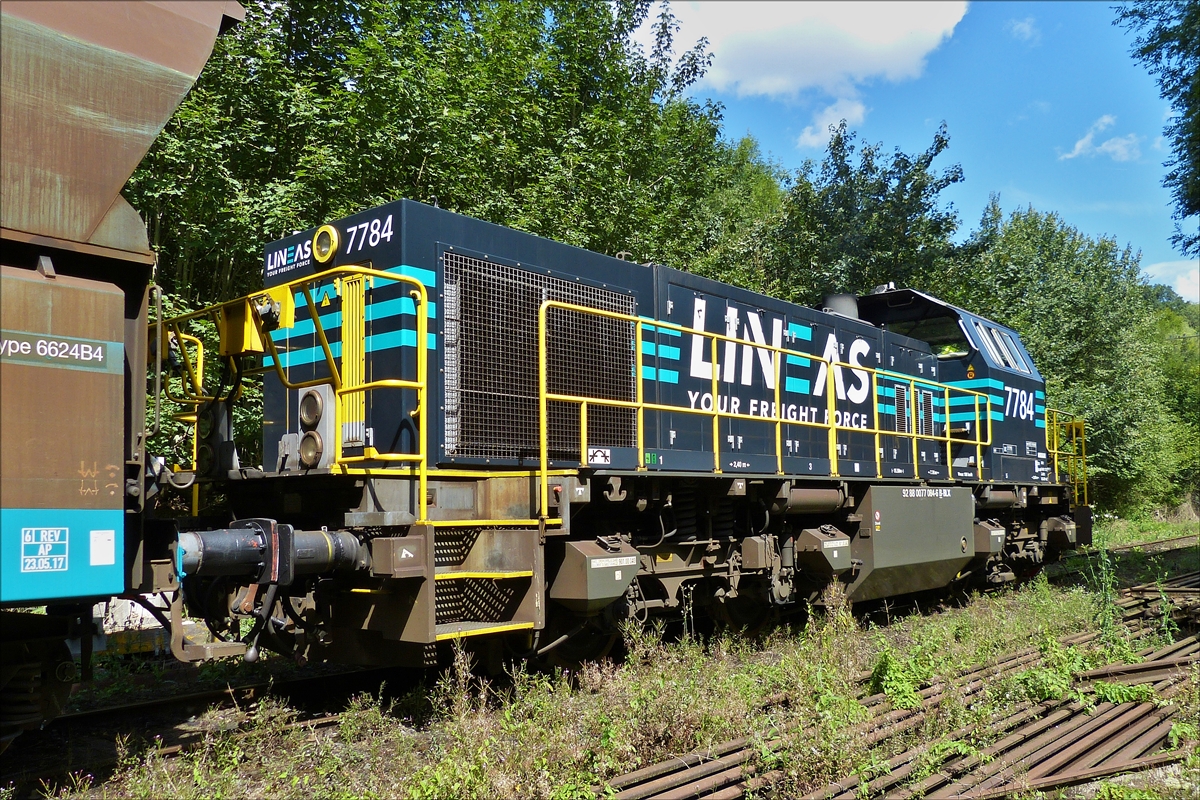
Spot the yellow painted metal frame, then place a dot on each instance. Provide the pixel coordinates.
(357, 276)
(982, 402)
(1066, 444)
(500, 627)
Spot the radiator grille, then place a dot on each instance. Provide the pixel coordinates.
(491, 330)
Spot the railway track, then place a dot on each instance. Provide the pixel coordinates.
(84, 742)
(724, 771)
(1043, 745)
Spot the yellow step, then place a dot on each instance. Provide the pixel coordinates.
(460, 630)
(455, 574)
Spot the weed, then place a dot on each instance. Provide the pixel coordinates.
(1054, 680)
(1182, 732)
(940, 752)
(1112, 791)
(1123, 693)
(894, 679)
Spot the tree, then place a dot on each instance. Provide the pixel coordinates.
(860, 219)
(544, 116)
(1168, 45)
(1087, 317)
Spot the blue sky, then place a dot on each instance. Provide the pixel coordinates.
(1043, 103)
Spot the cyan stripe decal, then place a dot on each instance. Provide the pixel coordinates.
(800, 331)
(656, 329)
(662, 350)
(799, 361)
(374, 343)
(1039, 395)
(1040, 409)
(385, 309)
(1041, 423)
(798, 385)
(661, 375)
(977, 383)
(886, 408)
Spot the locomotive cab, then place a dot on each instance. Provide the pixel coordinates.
(976, 353)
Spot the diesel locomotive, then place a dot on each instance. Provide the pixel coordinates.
(473, 433)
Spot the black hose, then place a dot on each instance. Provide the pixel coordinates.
(562, 638)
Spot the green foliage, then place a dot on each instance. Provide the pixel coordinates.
(1054, 679)
(1182, 732)
(1124, 693)
(1113, 791)
(1082, 309)
(858, 219)
(896, 679)
(1168, 45)
(544, 116)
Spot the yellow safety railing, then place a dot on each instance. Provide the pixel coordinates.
(981, 402)
(1066, 444)
(349, 389)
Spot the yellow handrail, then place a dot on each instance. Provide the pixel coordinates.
(640, 406)
(1066, 444)
(194, 394)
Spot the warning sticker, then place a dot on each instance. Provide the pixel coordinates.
(618, 561)
(44, 549)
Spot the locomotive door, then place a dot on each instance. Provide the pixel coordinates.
(851, 346)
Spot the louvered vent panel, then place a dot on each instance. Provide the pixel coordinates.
(490, 325)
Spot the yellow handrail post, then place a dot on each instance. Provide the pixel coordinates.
(831, 421)
(946, 428)
(421, 299)
(914, 403)
(583, 422)
(543, 419)
(716, 411)
(777, 364)
(978, 441)
(875, 413)
(638, 384)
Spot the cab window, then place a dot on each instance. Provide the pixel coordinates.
(988, 344)
(1015, 352)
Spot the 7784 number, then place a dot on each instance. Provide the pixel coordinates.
(1019, 404)
(369, 232)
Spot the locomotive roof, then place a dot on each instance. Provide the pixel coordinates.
(910, 305)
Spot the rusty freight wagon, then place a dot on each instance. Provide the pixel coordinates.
(84, 90)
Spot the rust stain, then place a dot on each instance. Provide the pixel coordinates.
(85, 88)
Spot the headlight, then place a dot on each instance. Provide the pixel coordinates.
(311, 408)
(310, 450)
(325, 244)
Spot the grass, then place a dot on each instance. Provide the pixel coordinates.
(557, 735)
(1120, 532)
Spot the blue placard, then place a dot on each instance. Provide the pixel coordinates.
(55, 553)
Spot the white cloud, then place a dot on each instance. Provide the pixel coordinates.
(1119, 148)
(1025, 30)
(1182, 276)
(781, 49)
(817, 134)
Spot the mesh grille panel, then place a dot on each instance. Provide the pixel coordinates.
(491, 331)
